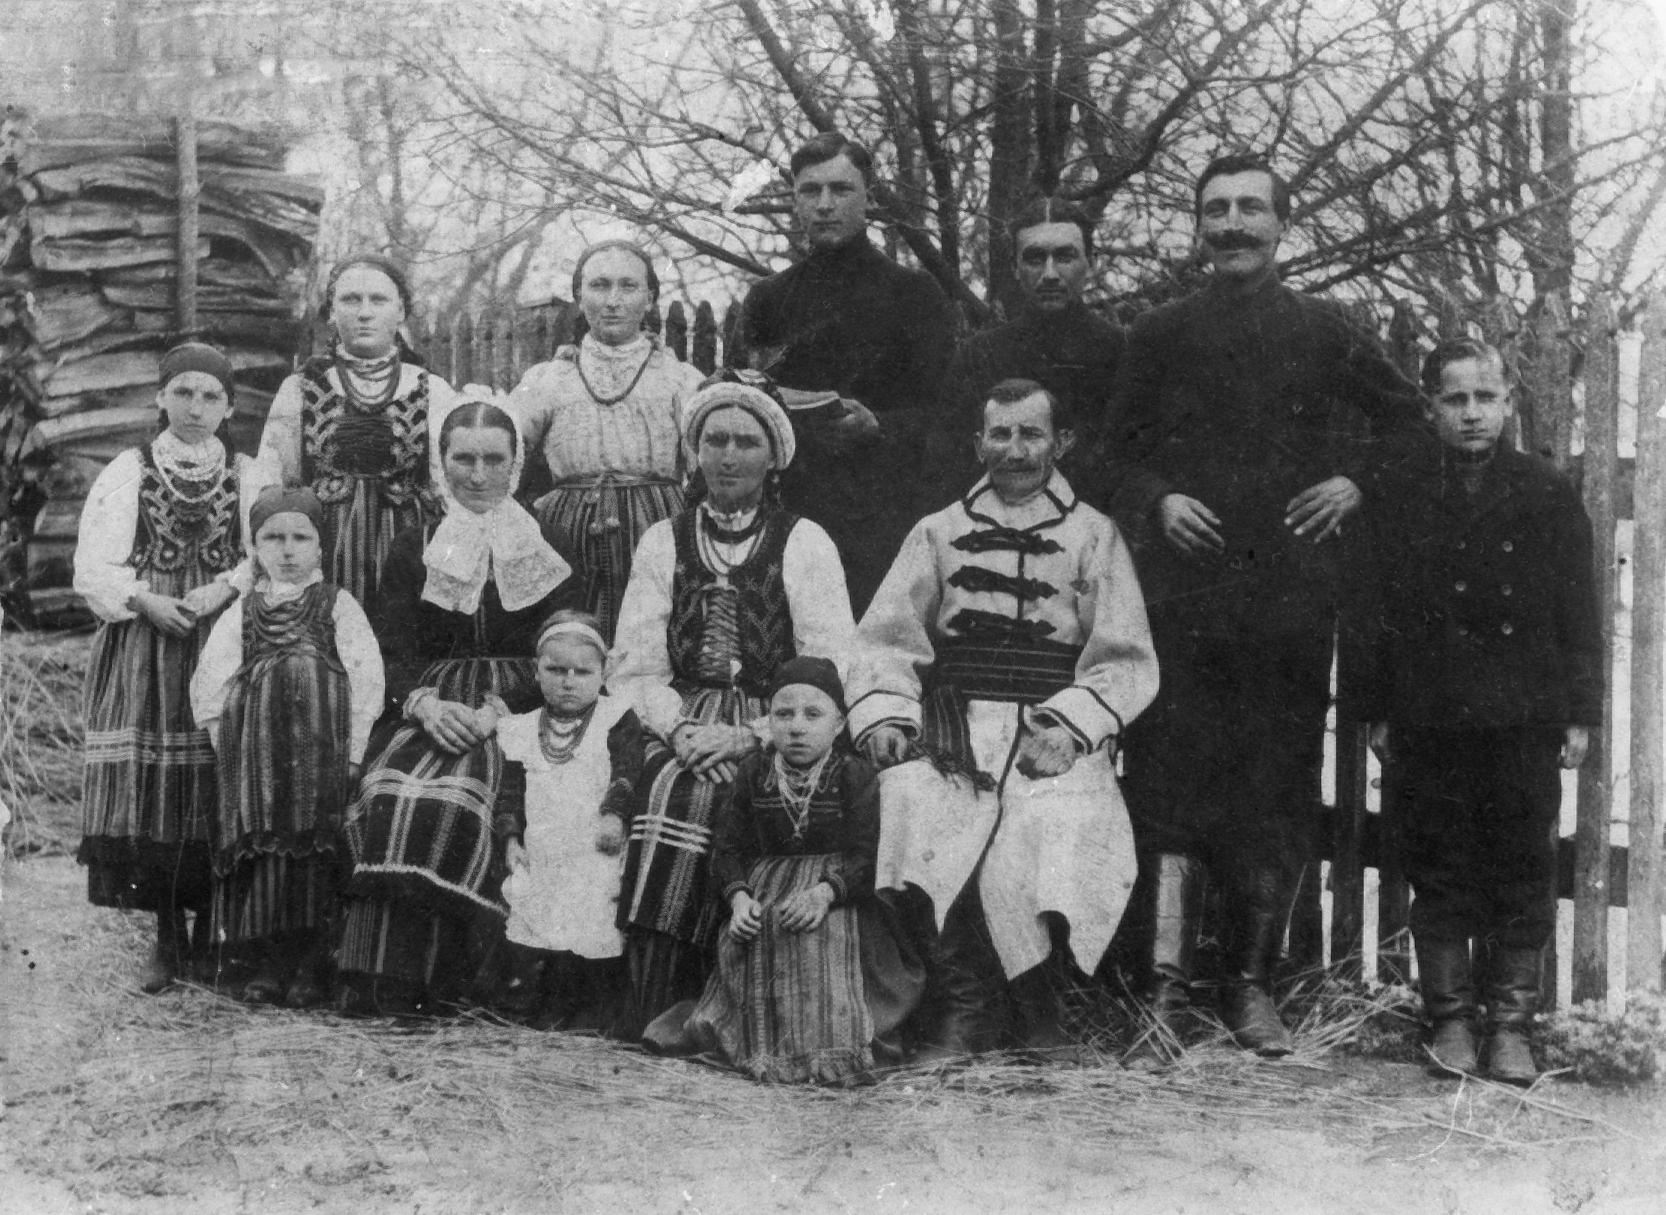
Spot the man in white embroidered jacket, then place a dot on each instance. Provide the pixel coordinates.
(997, 666)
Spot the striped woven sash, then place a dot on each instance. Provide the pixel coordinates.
(1008, 666)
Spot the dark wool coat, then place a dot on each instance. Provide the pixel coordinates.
(853, 320)
(1486, 612)
(1074, 354)
(1243, 400)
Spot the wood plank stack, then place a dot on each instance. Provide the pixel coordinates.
(89, 223)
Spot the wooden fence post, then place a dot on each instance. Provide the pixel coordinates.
(731, 331)
(462, 350)
(190, 190)
(703, 354)
(1648, 731)
(1596, 777)
(676, 330)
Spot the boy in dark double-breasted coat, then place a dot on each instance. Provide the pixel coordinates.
(1483, 680)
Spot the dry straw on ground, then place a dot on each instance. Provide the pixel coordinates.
(41, 737)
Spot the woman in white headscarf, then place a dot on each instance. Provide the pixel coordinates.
(720, 596)
(459, 610)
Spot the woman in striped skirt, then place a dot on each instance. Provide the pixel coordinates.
(288, 686)
(160, 538)
(607, 414)
(720, 596)
(457, 616)
(357, 426)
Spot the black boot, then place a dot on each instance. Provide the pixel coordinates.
(520, 992)
(963, 986)
(1447, 980)
(1177, 903)
(1255, 938)
(1512, 998)
(311, 983)
(168, 956)
(1035, 998)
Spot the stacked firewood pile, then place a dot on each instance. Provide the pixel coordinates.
(89, 250)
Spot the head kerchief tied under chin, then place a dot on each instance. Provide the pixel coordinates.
(817, 672)
(571, 628)
(298, 500)
(752, 391)
(197, 356)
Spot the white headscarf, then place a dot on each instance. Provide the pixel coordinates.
(504, 544)
(725, 393)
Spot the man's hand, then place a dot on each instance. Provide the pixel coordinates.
(1576, 745)
(1319, 509)
(1189, 526)
(856, 425)
(171, 617)
(454, 727)
(887, 746)
(804, 911)
(1380, 740)
(1046, 751)
(209, 598)
(746, 916)
(610, 836)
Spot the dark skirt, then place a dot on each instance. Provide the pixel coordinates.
(425, 859)
(599, 525)
(149, 790)
(271, 897)
(357, 533)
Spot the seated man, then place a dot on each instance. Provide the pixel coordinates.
(1005, 652)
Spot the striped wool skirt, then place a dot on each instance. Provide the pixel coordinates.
(425, 894)
(789, 1007)
(597, 523)
(357, 533)
(148, 793)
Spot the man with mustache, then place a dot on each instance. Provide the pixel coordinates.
(996, 669)
(1229, 453)
(1053, 338)
(859, 343)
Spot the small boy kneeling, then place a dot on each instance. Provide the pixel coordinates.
(1485, 675)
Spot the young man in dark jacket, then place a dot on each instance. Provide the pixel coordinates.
(1484, 680)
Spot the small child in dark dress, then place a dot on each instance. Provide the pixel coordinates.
(287, 687)
(571, 767)
(1484, 680)
(796, 995)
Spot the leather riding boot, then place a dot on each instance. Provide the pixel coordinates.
(1447, 980)
(1035, 998)
(963, 976)
(1512, 998)
(1178, 903)
(1255, 937)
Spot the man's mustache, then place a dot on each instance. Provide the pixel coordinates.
(1230, 240)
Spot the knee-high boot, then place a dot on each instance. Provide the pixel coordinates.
(1177, 906)
(964, 984)
(1446, 977)
(1512, 998)
(1036, 998)
(1254, 940)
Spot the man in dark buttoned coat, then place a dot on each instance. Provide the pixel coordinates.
(1483, 680)
(1229, 450)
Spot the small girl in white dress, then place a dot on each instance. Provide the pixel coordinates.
(576, 759)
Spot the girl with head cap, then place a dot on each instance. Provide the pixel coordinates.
(458, 612)
(288, 686)
(606, 413)
(161, 537)
(720, 596)
(572, 766)
(359, 425)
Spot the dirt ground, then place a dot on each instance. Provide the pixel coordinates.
(184, 1103)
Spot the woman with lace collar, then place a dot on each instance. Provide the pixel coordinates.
(607, 413)
(720, 596)
(161, 537)
(358, 425)
(459, 611)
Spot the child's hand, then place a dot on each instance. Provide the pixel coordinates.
(804, 911)
(1576, 745)
(1381, 740)
(209, 598)
(610, 836)
(170, 616)
(746, 916)
(514, 856)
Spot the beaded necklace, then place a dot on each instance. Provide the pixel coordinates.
(578, 361)
(559, 737)
(710, 533)
(797, 789)
(381, 374)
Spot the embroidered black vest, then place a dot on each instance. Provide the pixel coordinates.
(194, 521)
(341, 443)
(762, 618)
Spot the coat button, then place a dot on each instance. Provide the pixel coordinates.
(1506, 588)
(1463, 630)
(1460, 586)
(1506, 628)
(1460, 544)
(1509, 546)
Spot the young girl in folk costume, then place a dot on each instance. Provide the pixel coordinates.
(288, 687)
(360, 426)
(160, 538)
(808, 971)
(572, 765)
(608, 414)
